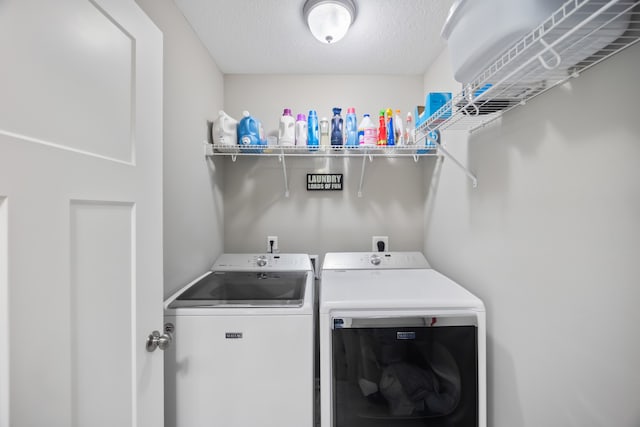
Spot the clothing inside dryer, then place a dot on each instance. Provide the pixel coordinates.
(416, 376)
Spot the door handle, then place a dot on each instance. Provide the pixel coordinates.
(161, 341)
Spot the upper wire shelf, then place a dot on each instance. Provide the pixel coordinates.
(414, 151)
(579, 35)
(429, 149)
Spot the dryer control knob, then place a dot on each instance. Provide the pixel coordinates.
(262, 261)
(375, 259)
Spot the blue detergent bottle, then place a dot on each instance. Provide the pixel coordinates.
(250, 133)
(391, 140)
(336, 128)
(352, 128)
(313, 139)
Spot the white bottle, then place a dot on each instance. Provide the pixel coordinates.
(409, 132)
(370, 131)
(286, 130)
(224, 130)
(301, 131)
(398, 129)
(325, 137)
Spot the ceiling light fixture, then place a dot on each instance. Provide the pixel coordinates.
(329, 20)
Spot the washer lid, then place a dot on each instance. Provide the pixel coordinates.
(245, 289)
(392, 289)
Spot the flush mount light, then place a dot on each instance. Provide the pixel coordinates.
(329, 20)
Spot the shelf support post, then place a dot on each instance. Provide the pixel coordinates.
(438, 142)
(284, 173)
(364, 164)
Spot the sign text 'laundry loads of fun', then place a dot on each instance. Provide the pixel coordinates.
(324, 181)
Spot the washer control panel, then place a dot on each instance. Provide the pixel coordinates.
(374, 260)
(248, 262)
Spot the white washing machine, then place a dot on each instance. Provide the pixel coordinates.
(401, 345)
(242, 352)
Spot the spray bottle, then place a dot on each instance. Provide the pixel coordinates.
(382, 129)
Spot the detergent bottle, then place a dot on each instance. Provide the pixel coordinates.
(313, 133)
(391, 136)
(301, 130)
(352, 128)
(382, 129)
(224, 130)
(286, 129)
(370, 131)
(250, 133)
(336, 128)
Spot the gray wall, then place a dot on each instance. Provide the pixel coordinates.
(550, 240)
(318, 222)
(193, 202)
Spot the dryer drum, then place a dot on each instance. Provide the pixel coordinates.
(421, 377)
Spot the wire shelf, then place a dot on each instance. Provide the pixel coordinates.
(415, 151)
(579, 35)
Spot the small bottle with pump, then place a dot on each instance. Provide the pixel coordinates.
(352, 128)
(301, 130)
(286, 129)
(313, 137)
(382, 129)
(325, 137)
(391, 135)
(336, 128)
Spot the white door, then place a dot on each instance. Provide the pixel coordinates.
(80, 214)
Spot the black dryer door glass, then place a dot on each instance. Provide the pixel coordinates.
(405, 376)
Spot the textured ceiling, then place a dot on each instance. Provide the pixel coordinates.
(271, 37)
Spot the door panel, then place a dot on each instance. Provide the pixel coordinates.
(98, 290)
(77, 62)
(4, 316)
(82, 208)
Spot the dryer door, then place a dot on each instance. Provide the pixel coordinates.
(412, 371)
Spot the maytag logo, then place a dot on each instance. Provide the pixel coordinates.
(405, 335)
(233, 335)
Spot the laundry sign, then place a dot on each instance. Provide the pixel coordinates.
(324, 181)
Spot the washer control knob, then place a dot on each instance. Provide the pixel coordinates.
(375, 259)
(262, 261)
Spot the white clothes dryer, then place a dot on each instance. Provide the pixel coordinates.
(401, 345)
(242, 353)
